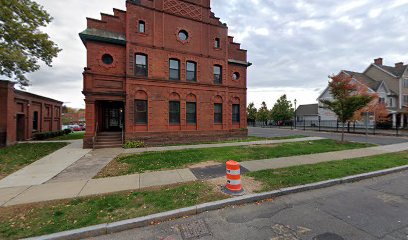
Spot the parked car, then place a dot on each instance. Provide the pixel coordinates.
(76, 128)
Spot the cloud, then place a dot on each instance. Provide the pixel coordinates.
(293, 45)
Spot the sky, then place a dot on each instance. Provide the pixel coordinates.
(294, 45)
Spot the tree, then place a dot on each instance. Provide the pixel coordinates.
(251, 112)
(282, 110)
(347, 99)
(22, 43)
(263, 114)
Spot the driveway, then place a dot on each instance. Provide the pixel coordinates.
(371, 209)
(374, 139)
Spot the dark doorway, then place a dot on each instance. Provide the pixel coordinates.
(20, 127)
(112, 116)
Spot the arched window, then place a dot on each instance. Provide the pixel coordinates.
(174, 69)
(142, 26)
(141, 65)
(191, 71)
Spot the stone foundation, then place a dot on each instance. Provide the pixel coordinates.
(183, 137)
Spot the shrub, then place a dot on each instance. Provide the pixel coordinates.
(67, 131)
(134, 144)
(47, 135)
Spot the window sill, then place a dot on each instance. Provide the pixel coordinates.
(140, 124)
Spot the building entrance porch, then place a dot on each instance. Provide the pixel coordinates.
(110, 116)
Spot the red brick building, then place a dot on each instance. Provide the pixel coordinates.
(164, 71)
(23, 114)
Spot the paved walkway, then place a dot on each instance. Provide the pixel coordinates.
(92, 163)
(47, 167)
(63, 190)
(215, 145)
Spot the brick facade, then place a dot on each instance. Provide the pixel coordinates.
(115, 83)
(23, 114)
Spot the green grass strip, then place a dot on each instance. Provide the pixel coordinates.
(15, 157)
(304, 174)
(46, 218)
(71, 136)
(153, 161)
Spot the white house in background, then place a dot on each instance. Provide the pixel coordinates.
(308, 112)
(391, 85)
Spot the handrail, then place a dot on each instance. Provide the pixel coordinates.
(95, 135)
(123, 135)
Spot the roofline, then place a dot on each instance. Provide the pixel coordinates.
(38, 96)
(380, 68)
(352, 77)
(88, 37)
(238, 62)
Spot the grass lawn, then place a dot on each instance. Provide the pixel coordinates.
(71, 136)
(293, 176)
(247, 139)
(154, 161)
(18, 156)
(45, 218)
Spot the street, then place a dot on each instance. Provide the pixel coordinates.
(371, 209)
(374, 139)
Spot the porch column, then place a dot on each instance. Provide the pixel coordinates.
(394, 120)
(90, 116)
(402, 120)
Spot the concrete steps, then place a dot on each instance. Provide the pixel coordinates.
(108, 140)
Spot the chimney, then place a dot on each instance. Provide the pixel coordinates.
(399, 65)
(378, 61)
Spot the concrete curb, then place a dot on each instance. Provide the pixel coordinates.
(102, 229)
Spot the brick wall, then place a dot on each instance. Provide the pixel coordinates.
(163, 20)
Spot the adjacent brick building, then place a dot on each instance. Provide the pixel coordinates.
(164, 71)
(23, 114)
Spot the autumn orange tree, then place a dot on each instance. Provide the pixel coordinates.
(347, 99)
(375, 107)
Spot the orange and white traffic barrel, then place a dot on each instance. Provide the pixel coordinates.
(234, 184)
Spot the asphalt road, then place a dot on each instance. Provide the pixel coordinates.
(374, 139)
(371, 209)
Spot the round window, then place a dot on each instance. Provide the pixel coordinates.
(107, 59)
(235, 76)
(183, 35)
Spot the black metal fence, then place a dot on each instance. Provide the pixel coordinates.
(372, 128)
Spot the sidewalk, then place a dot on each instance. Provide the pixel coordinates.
(86, 166)
(47, 167)
(63, 190)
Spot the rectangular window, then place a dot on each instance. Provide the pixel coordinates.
(191, 73)
(381, 100)
(35, 121)
(141, 65)
(141, 111)
(174, 112)
(174, 69)
(142, 26)
(218, 113)
(235, 113)
(217, 43)
(191, 112)
(217, 74)
(406, 100)
(391, 102)
(405, 83)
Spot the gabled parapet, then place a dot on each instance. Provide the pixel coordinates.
(235, 52)
(113, 23)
